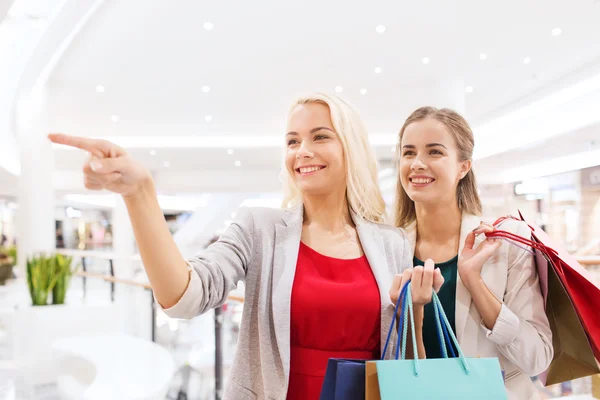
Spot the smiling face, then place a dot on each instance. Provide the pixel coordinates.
(430, 166)
(315, 156)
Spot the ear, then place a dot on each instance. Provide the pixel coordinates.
(465, 167)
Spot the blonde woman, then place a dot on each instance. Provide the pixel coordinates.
(491, 292)
(317, 271)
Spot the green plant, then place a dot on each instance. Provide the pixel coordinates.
(64, 273)
(48, 274)
(41, 278)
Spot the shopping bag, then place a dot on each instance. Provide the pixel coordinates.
(443, 378)
(574, 353)
(344, 380)
(347, 379)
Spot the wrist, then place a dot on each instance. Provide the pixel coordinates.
(144, 189)
(473, 283)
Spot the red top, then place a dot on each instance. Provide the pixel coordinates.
(335, 313)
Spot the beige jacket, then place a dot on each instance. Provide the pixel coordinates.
(261, 248)
(521, 338)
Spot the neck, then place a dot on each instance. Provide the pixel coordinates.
(438, 223)
(328, 211)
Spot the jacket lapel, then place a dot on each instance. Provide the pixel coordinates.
(374, 249)
(285, 257)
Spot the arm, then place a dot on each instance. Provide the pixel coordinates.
(520, 328)
(167, 271)
(216, 271)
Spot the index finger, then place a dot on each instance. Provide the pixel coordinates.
(99, 148)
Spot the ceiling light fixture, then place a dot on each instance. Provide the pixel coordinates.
(556, 31)
(363, 91)
(208, 26)
(469, 89)
(380, 28)
(230, 151)
(237, 163)
(167, 164)
(208, 118)
(114, 118)
(483, 56)
(152, 152)
(526, 60)
(378, 70)
(425, 60)
(100, 89)
(205, 89)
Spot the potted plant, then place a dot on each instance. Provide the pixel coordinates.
(48, 274)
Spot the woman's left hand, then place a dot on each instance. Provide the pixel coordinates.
(470, 261)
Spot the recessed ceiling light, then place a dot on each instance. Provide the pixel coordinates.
(167, 164)
(556, 31)
(380, 28)
(114, 118)
(483, 56)
(152, 152)
(339, 89)
(469, 89)
(425, 60)
(526, 60)
(230, 151)
(100, 89)
(237, 163)
(208, 118)
(206, 89)
(363, 91)
(377, 70)
(208, 26)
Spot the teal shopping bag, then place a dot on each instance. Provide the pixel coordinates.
(442, 378)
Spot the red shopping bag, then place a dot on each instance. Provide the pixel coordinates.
(581, 287)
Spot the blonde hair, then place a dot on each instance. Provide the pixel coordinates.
(466, 192)
(362, 188)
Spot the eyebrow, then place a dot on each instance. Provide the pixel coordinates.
(313, 130)
(410, 146)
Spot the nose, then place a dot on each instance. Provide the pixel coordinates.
(418, 165)
(304, 151)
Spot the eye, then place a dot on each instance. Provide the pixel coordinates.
(292, 142)
(436, 152)
(319, 137)
(408, 153)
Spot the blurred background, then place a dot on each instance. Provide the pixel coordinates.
(199, 91)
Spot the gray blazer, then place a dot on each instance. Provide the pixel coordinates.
(261, 248)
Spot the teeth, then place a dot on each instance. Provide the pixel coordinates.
(309, 169)
(421, 181)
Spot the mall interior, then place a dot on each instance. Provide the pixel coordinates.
(198, 92)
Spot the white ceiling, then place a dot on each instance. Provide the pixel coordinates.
(153, 58)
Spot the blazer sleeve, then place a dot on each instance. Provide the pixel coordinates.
(522, 331)
(217, 270)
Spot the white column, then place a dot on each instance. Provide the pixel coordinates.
(36, 231)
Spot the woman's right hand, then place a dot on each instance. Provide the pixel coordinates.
(108, 167)
(424, 280)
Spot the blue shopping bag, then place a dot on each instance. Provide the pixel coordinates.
(443, 378)
(344, 380)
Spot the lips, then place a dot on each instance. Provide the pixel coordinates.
(309, 169)
(421, 180)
